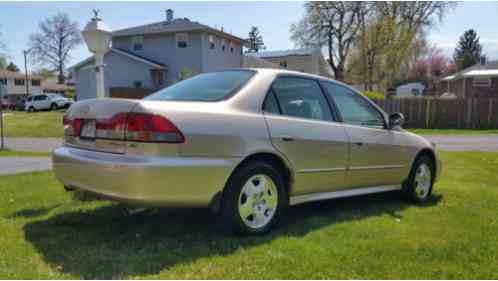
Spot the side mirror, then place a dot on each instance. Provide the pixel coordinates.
(396, 120)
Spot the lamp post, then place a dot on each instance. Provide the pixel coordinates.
(98, 39)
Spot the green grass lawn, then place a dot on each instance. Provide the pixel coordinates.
(40, 124)
(44, 234)
(452, 132)
(10, 153)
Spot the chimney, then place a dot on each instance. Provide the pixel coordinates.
(169, 16)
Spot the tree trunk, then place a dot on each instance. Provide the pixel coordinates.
(61, 78)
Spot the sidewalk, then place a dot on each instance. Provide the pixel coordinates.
(33, 144)
(15, 165)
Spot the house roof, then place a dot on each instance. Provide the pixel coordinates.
(7, 74)
(283, 53)
(255, 62)
(51, 85)
(177, 25)
(477, 70)
(125, 53)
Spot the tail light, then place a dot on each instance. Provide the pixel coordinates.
(139, 127)
(72, 127)
(146, 127)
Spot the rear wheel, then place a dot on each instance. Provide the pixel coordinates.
(53, 106)
(31, 109)
(255, 199)
(418, 188)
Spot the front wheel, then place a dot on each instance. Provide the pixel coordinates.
(418, 188)
(254, 199)
(53, 106)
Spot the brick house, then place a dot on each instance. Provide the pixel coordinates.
(477, 81)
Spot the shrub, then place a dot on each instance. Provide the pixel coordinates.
(374, 95)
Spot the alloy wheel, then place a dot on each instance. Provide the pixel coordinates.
(423, 181)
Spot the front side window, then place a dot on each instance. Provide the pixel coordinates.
(213, 86)
(182, 40)
(302, 98)
(354, 109)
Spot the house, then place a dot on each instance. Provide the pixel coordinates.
(477, 81)
(153, 56)
(51, 86)
(410, 90)
(304, 60)
(255, 62)
(16, 87)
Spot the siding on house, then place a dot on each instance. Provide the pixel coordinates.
(13, 91)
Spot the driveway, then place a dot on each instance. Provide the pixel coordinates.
(14, 165)
(465, 143)
(33, 144)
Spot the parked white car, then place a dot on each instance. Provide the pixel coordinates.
(46, 101)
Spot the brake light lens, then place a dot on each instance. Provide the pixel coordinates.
(72, 127)
(145, 127)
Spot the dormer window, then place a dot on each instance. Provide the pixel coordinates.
(138, 43)
(181, 40)
(212, 45)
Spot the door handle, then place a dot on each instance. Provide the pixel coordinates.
(287, 138)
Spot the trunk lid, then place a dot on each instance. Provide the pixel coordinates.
(88, 112)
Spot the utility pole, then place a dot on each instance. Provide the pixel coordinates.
(26, 69)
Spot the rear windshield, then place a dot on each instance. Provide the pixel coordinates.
(212, 86)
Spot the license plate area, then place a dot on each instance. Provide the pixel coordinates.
(88, 130)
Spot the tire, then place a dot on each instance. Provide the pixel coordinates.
(254, 199)
(418, 187)
(53, 106)
(31, 109)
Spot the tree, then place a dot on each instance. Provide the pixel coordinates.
(388, 37)
(468, 51)
(255, 41)
(331, 24)
(12, 67)
(51, 46)
(3, 62)
(45, 73)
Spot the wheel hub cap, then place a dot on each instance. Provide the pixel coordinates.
(423, 181)
(258, 201)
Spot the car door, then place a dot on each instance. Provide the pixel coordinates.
(375, 157)
(302, 127)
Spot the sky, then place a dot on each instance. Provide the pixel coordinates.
(19, 19)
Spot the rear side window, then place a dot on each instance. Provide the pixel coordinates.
(212, 86)
(302, 98)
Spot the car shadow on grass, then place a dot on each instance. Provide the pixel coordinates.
(104, 244)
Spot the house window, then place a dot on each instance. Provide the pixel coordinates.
(223, 47)
(481, 82)
(138, 43)
(283, 64)
(137, 84)
(35, 82)
(211, 42)
(3, 81)
(182, 40)
(19, 82)
(158, 76)
(231, 47)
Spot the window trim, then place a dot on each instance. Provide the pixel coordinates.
(187, 41)
(335, 117)
(359, 95)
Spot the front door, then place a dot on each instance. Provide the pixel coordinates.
(302, 128)
(375, 159)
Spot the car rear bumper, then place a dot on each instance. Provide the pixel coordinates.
(143, 180)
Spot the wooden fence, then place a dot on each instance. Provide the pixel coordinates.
(129, 93)
(478, 113)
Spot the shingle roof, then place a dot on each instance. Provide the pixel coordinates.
(488, 69)
(16, 75)
(283, 53)
(143, 59)
(177, 25)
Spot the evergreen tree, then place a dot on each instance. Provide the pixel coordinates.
(468, 51)
(12, 67)
(255, 41)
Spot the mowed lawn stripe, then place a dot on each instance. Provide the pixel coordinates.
(48, 235)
